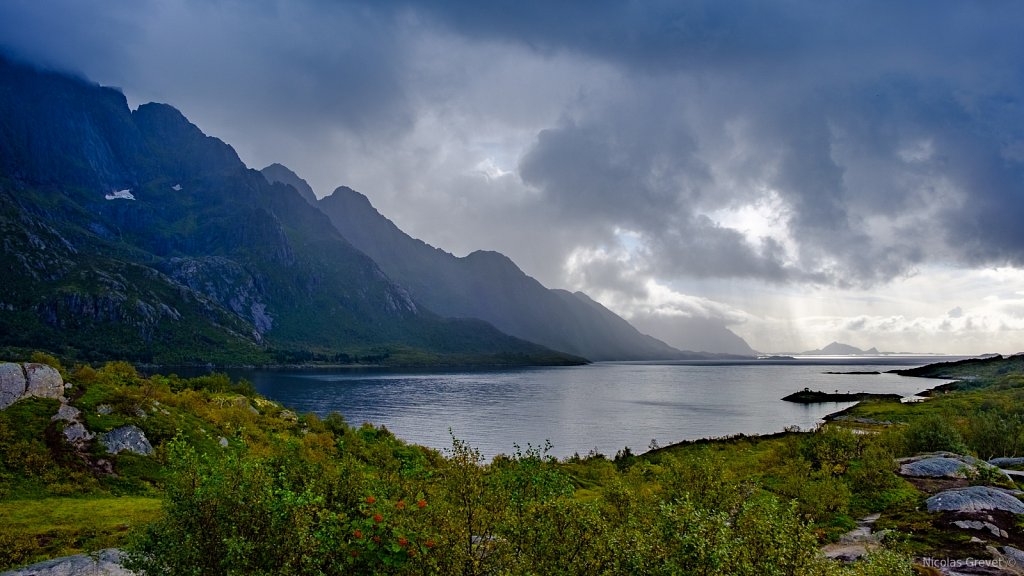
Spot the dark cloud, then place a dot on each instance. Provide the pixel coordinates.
(267, 76)
(884, 161)
(614, 173)
(870, 139)
(653, 35)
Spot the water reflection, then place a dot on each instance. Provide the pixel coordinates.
(603, 406)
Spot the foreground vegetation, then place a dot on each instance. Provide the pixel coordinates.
(247, 487)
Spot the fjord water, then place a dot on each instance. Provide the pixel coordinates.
(603, 406)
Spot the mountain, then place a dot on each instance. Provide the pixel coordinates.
(278, 173)
(701, 334)
(839, 349)
(489, 286)
(132, 234)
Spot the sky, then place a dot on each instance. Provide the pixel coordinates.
(798, 171)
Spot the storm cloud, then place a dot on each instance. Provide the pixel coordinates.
(606, 145)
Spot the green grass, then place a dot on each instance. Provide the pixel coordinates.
(51, 515)
(38, 529)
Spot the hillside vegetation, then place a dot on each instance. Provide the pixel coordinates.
(239, 484)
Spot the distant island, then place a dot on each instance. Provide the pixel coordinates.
(808, 396)
(840, 349)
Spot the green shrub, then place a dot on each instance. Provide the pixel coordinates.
(875, 471)
(15, 548)
(771, 540)
(237, 514)
(817, 493)
(49, 360)
(831, 449)
(703, 478)
(933, 433)
(995, 432)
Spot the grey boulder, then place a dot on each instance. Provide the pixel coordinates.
(979, 525)
(76, 433)
(937, 467)
(943, 465)
(1003, 462)
(43, 381)
(67, 413)
(103, 563)
(12, 383)
(130, 438)
(975, 499)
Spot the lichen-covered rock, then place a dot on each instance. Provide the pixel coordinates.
(1004, 462)
(979, 525)
(43, 381)
(12, 383)
(975, 499)
(77, 433)
(943, 465)
(937, 467)
(103, 563)
(1015, 555)
(68, 413)
(130, 438)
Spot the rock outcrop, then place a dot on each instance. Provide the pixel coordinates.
(130, 438)
(12, 384)
(996, 531)
(19, 381)
(1004, 462)
(975, 499)
(103, 563)
(74, 430)
(944, 465)
(43, 381)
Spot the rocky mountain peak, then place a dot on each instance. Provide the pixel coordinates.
(280, 173)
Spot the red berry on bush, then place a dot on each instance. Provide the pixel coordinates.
(400, 504)
(376, 539)
(378, 518)
(358, 533)
(402, 541)
(429, 543)
(370, 499)
(422, 503)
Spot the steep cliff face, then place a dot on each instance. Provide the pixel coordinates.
(133, 234)
(489, 286)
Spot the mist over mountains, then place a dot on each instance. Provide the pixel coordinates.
(132, 234)
(485, 285)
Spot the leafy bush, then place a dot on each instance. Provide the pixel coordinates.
(995, 432)
(933, 433)
(236, 514)
(703, 478)
(875, 471)
(831, 449)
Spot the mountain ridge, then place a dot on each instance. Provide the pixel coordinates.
(840, 349)
(132, 234)
(488, 285)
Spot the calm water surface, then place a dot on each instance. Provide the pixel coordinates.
(603, 406)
